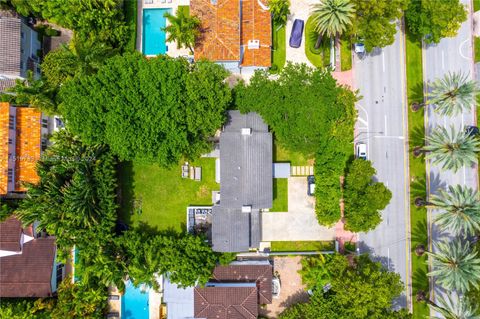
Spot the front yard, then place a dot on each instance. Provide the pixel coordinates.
(156, 198)
(294, 246)
(318, 57)
(280, 195)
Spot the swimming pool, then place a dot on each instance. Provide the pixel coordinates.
(134, 302)
(154, 38)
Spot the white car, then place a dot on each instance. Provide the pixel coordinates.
(362, 151)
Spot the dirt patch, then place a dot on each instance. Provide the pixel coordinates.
(203, 191)
(292, 290)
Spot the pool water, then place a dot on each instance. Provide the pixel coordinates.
(134, 302)
(154, 38)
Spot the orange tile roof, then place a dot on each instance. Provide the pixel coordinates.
(28, 146)
(256, 25)
(4, 117)
(220, 39)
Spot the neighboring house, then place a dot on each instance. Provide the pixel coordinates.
(27, 262)
(235, 33)
(19, 49)
(235, 291)
(23, 132)
(245, 183)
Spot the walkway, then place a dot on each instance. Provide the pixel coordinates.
(301, 170)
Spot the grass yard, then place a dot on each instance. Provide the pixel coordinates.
(318, 57)
(280, 195)
(286, 246)
(281, 154)
(476, 5)
(130, 12)
(416, 128)
(185, 9)
(476, 41)
(346, 53)
(279, 55)
(162, 194)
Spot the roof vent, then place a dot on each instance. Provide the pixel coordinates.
(213, 2)
(246, 131)
(246, 209)
(253, 44)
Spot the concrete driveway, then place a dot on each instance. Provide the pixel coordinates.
(299, 9)
(300, 222)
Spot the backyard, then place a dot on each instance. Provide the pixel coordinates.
(281, 154)
(156, 198)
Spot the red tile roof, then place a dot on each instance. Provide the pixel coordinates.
(4, 117)
(226, 303)
(220, 40)
(259, 274)
(10, 234)
(29, 273)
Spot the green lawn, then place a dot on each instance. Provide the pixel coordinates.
(162, 194)
(185, 9)
(318, 57)
(346, 53)
(416, 128)
(476, 5)
(281, 154)
(280, 195)
(279, 55)
(476, 41)
(130, 12)
(284, 246)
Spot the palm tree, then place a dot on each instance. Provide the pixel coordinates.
(456, 265)
(451, 149)
(451, 94)
(461, 209)
(331, 17)
(463, 308)
(182, 28)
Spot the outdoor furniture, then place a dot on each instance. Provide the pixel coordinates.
(198, 173)
(297, 33)
(185, 170)
(148, 1)
(113, 315)
(113, 297)
(162, 1)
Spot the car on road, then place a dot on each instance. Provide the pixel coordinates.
(311, 185)
(362, 151)
(297, 33)
(471, 130)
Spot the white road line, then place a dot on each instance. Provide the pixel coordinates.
(460, 49)
(443, 59)
(388, 259)
(386, 125)
(384, 136)
(362, 120)
(383, 60)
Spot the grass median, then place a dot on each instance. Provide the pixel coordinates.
(416, 133)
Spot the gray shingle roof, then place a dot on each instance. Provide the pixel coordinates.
(6, 84)
(10, 43)
(246, 163)
(230, 230)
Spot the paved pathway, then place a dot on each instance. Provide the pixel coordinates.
(301, 170)
(299, 9)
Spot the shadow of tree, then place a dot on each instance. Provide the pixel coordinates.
(418, 187)
(299, 296)
(417, 136)
(125, 192)
(420, 232)
(420, 280)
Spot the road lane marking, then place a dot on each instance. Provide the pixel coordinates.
(443, 60)
(363, 121)
(460, 50)
(383, 60)
(386, 125)
(390, 136)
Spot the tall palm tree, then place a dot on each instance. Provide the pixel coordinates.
(461, 209)
(456, 265)
(451, 149)
(453, 94)
(331, 17)
(182, 28)
(462, 308)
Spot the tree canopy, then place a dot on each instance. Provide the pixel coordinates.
(434, 20)
(158, 109)
(376, 21)
(364, 198)
(358, 289)
(279, 9)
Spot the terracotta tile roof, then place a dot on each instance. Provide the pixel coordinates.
(10, 234)
(4, 117)
(28, 146)
(226, 303)
(29, 273)
(259, 274)
(256, 25)
(220, 40)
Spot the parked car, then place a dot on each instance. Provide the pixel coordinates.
(362, 151)
(471, 130)
(311, 185)
(297, 33)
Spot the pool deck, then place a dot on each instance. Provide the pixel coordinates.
(158, 4)
(115, 305)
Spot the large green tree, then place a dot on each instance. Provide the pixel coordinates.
(363, 198)
(279, 9)
(159, 109)
(376, 21)
(332, 17)
(183, 29)
(451, 148)
(460, 307)
(308, 113)
(373, 288)
(434, 20)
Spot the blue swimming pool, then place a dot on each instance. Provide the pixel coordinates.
(154, 38)
(134, 303)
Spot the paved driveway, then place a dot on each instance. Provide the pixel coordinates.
(300, 222)
(299, 9)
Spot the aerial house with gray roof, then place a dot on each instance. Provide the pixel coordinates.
(245, 183)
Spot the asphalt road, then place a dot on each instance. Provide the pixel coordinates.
(382, 125)
(450, 55)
